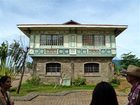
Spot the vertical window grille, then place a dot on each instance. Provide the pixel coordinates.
(88, 40)
(52, 40)
(53, 67)
(91, 67)
(60, 40)
(93, 40)
(42, 39)
(48, 40)
(99, 40)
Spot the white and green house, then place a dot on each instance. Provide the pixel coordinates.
(71, 50)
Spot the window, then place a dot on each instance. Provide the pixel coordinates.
(113, 39)
(88, 40)
(99, 40)
(53, 68)
(48, 40)
(43, 40)
(93, 40)
(91, 67)
(52, 40)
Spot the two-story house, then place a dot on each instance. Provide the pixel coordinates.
(72, 50)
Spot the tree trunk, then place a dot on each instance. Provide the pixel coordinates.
(23, 70)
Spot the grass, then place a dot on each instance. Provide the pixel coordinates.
(31, 86)
(125, 90)
(27, 88)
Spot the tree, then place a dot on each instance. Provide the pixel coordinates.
(29, 65)
(128, 59)
(11, 58)
(23, 69)
(3, 56)
(16, 56)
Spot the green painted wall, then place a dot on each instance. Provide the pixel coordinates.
(73, 47)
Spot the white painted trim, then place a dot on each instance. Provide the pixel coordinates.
(94, 26)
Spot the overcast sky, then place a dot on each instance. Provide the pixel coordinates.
(116, 12)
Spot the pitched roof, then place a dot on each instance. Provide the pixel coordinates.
(71, 22)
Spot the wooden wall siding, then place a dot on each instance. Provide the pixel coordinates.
(37, 41)
(113, 42)
(74, 41)
(73, 45)
(66, 44)
(108, 41)
(32, 41)
(80, 32)
(79, 41)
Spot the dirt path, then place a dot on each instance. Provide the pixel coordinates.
(77, 98)
(16, 81)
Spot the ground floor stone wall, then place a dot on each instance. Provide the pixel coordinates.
(72, 68)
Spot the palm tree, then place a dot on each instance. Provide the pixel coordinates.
(3, 56)
(16, 55)
(11, 58)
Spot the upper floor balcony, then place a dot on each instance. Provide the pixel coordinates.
(72, 39)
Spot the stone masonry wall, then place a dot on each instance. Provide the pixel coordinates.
(74, 68)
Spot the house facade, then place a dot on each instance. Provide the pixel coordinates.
(72, 50)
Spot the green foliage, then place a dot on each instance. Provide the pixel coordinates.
(29, 65)
(15, 56)
(126, 90)
(42, 88)
(3, 53)
(115, 81)
(128, 59)
(79, 81)
(5, 71)
(11, 58)
(35, 80)
(117, 70)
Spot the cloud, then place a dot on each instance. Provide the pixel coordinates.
(26, 8)
(14, 12)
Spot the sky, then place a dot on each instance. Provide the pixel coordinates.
(115, 12)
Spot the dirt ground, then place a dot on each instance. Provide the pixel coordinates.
(124, 86)
(76, 98)
(15, 82)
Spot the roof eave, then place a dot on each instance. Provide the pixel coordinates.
(117, 28)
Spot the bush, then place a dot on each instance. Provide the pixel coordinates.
(35, 80)
(115, 81)
(79, 81)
